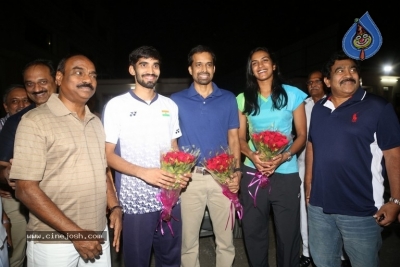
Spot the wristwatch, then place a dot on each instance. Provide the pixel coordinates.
(290, 155)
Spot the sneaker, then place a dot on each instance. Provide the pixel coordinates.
(305, 261)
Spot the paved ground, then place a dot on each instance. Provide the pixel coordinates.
(389, 255)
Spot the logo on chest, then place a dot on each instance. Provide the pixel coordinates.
(165, 113)
(132, 114)
(354, 118)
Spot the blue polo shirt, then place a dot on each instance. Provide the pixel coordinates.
(347, 146)
(205, 122)
(7, 134)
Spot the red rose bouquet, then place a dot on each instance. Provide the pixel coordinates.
(221, 167)
(177, 162)
(269, 144)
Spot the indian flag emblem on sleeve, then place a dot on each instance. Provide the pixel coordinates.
(165, 113)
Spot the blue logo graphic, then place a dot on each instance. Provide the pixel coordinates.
(363, 39)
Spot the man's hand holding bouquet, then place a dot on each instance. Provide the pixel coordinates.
(178, 163)
(222, 167)
(269, 144)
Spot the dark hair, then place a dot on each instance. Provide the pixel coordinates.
(11, 88)
(278, 94)
(143, 52)
(324, 87)
(44, 62)
(61, 64)
(314, 71)
(339, 55)
(200, 49)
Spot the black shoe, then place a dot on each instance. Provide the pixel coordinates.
(346, 263)
(305, 261)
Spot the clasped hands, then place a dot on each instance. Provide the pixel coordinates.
(89, 249)
(266, 167)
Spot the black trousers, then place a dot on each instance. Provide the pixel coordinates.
(283, 195)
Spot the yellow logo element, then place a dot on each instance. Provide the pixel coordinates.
(165, 113)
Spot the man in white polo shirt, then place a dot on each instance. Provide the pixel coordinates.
(139, 125)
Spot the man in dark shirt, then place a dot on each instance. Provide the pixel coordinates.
(39, 83)
(14, 100)
(351, 132)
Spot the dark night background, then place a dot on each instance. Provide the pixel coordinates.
(107, 31)
(233, 29)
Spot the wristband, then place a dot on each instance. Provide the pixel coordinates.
(394, 200)
(237, 170)
(115, 207)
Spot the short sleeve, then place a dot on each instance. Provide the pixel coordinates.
(233, 114)
(111, 121)
(176, 130)
(388, 130)
(298, 96)
(240, 101)
(29, 152)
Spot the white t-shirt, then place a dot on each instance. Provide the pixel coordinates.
(141, 131)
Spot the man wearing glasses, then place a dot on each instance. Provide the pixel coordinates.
(317, 90)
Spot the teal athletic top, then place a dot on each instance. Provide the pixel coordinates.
(274, 119)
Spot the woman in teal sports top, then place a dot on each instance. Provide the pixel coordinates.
(268, 104)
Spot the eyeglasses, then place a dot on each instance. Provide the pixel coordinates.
(317, 82)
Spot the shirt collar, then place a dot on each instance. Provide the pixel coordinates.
(356, 97)
(58, 108)
(309, 99)
(216, 91)
(132, 93)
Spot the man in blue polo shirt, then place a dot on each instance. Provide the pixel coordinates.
(209, 120)
(351, 132)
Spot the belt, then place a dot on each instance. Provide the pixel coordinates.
(200, 170)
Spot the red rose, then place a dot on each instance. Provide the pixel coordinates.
(269, 143)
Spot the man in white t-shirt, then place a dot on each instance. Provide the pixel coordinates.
(317, 90)
(139, 125)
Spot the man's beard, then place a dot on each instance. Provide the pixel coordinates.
(149, 84)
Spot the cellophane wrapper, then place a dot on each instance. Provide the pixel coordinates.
(176, 162)
(221, 166)
(269, 143)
